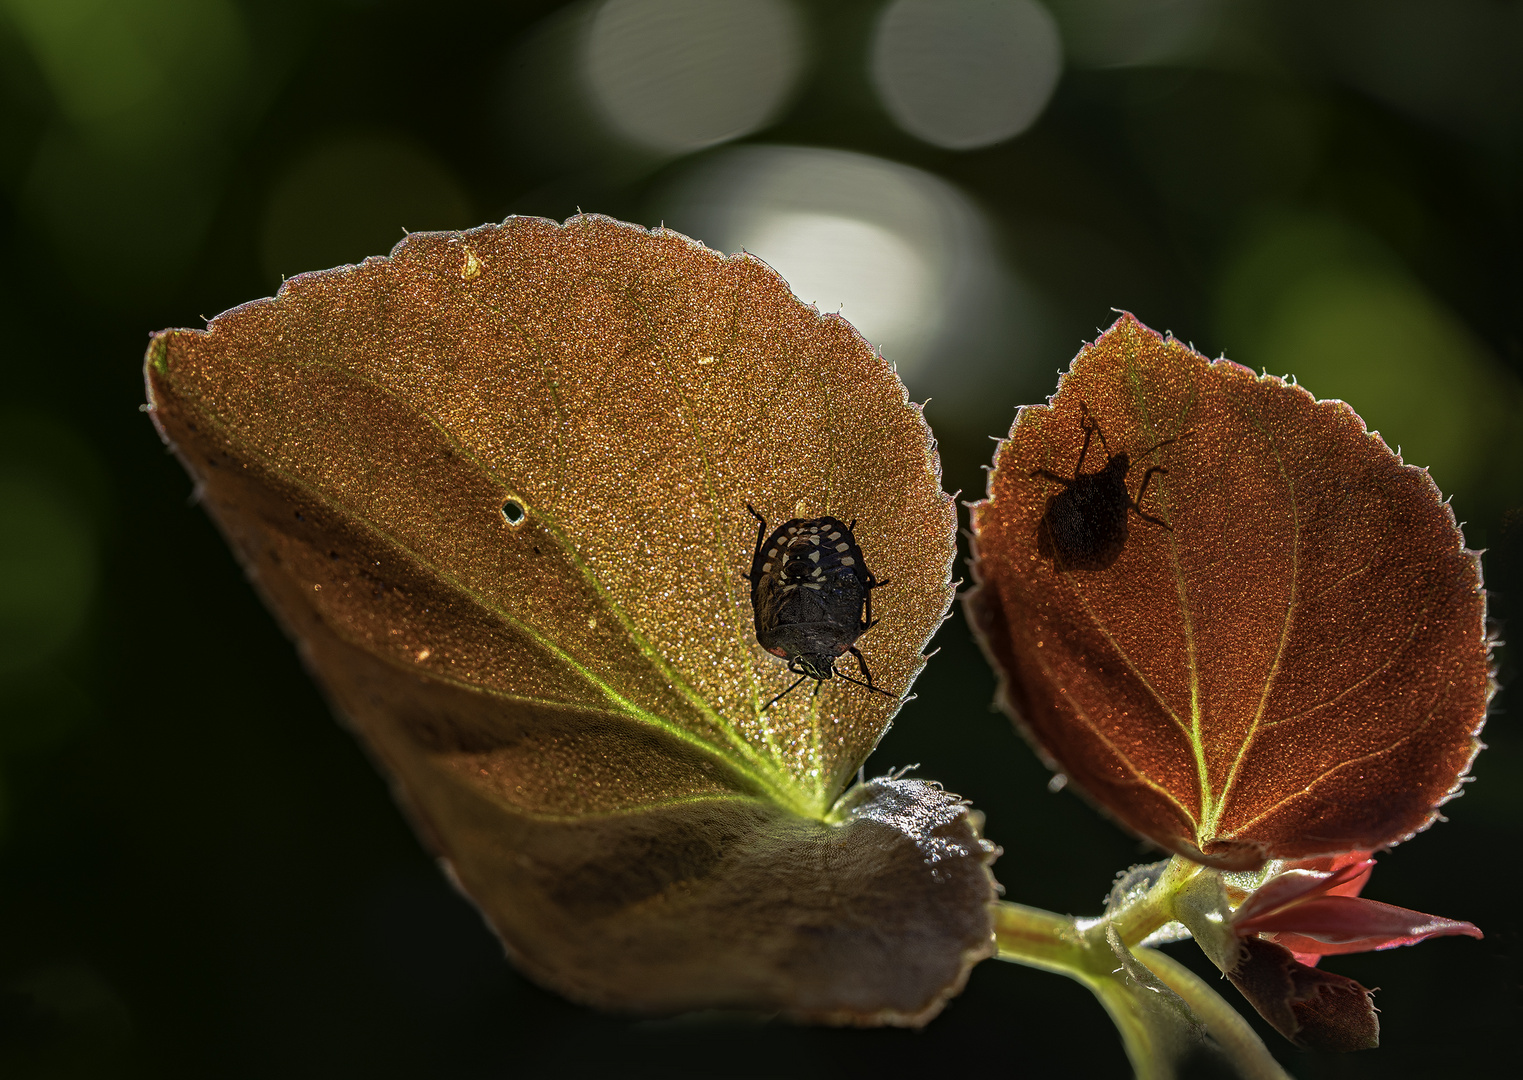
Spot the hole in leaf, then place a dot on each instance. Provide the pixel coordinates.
(514, 512)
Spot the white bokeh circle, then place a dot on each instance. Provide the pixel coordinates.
(964, 74)
(678, 75)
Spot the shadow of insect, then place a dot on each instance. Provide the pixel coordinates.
(1085, 526)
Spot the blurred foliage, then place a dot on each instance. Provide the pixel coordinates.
(199, 872)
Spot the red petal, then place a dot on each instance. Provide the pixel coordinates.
(1296, 886)
(1351, 886)
(1343, 924)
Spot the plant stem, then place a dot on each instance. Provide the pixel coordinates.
(1080, 950)
(1042, 939)
(1237, 1038)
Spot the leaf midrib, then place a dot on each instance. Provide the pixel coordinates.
(765, 776)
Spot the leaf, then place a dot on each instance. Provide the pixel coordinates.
(1315, 1009)
(496, 487)
(1294, 663)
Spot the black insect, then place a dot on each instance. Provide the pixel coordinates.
(812, 595)
(1085, 525)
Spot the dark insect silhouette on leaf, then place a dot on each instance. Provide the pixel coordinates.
(1085, 525)
(812, 596)
(1230, 694)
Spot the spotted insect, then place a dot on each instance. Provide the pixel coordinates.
(1084, 526)
(812, 596)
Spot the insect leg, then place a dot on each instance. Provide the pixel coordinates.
(1137, 506)
(786, 692)
(761, 530)
(869, 686)
(868, 675)
(1048, 474)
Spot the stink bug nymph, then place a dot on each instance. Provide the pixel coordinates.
(1084, 526)
(812, 595)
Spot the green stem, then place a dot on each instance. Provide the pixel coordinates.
(1056, 943)
(1237, 1038)
(1080, 949)
(1037, 938)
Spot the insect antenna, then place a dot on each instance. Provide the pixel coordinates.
(785, 693)
(1166, 442)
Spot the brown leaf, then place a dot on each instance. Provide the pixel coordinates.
(496, 487)
(1291, 661)
(1314, 1009)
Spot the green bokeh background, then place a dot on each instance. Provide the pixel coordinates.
(201, 874)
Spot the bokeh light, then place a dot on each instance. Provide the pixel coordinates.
(845, 263)
(1135, 33)
(124, 181)
(355, 196)
(901, 254)
(677, 75)
(1315, 298)
(963, 74)
(136, 66)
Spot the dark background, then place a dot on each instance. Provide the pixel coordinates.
(201, 874)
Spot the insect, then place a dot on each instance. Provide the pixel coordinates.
(1085, 525)
(812, 595)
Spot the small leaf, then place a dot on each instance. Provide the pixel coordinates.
(496, 485)
(1314, 1009)
(1279, 653)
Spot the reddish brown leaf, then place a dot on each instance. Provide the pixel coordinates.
(496, 485)
(1295, 663)
(1312, 1008)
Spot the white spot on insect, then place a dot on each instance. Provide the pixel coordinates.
(834, 536)
(772, 554)
(766, 568)
(811, 585)
(814, 556)
(843, 547)
(848, 561)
